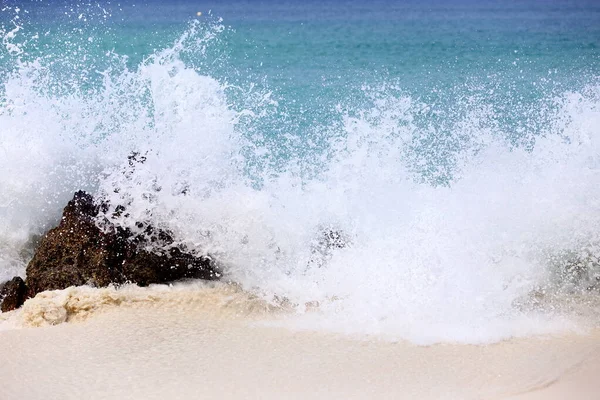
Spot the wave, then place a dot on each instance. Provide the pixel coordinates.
(452, 223)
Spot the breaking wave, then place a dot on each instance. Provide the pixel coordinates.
(453, 224)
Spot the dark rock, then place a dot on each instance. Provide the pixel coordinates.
(12, 294)
(328, 240)
(333, 239)
(78, 252)
(135, 157)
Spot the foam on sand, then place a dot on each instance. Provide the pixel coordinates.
(177, 348)
(219, 300)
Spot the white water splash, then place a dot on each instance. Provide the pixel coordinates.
(427, 262)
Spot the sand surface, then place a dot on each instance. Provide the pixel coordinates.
(180, 350)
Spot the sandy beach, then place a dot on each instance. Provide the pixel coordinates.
(217, 343)
(316, 199)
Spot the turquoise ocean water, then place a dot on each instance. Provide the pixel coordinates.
(454, 143)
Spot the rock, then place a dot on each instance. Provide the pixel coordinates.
(328, 240)
(576, 269)
(333, 239)
(78, 252)
(12, 294)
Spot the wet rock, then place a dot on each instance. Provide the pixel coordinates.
(12, 294)
(577, 269)
(333, 239)
(328, 240)
(78, 252)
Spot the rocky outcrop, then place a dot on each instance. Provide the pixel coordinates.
(78, 252)
(12, 294)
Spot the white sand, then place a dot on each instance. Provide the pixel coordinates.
(181, 346)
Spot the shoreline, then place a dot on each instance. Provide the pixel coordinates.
(181, 349)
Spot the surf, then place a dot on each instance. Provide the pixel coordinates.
(456, 228)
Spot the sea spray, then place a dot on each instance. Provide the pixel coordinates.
(450, 217)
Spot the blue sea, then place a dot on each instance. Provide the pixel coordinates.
(453, 145)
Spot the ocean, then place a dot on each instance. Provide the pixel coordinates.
(453, 146)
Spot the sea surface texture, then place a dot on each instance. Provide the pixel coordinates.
(425, 170)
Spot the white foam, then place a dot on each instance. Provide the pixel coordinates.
(427, 262)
